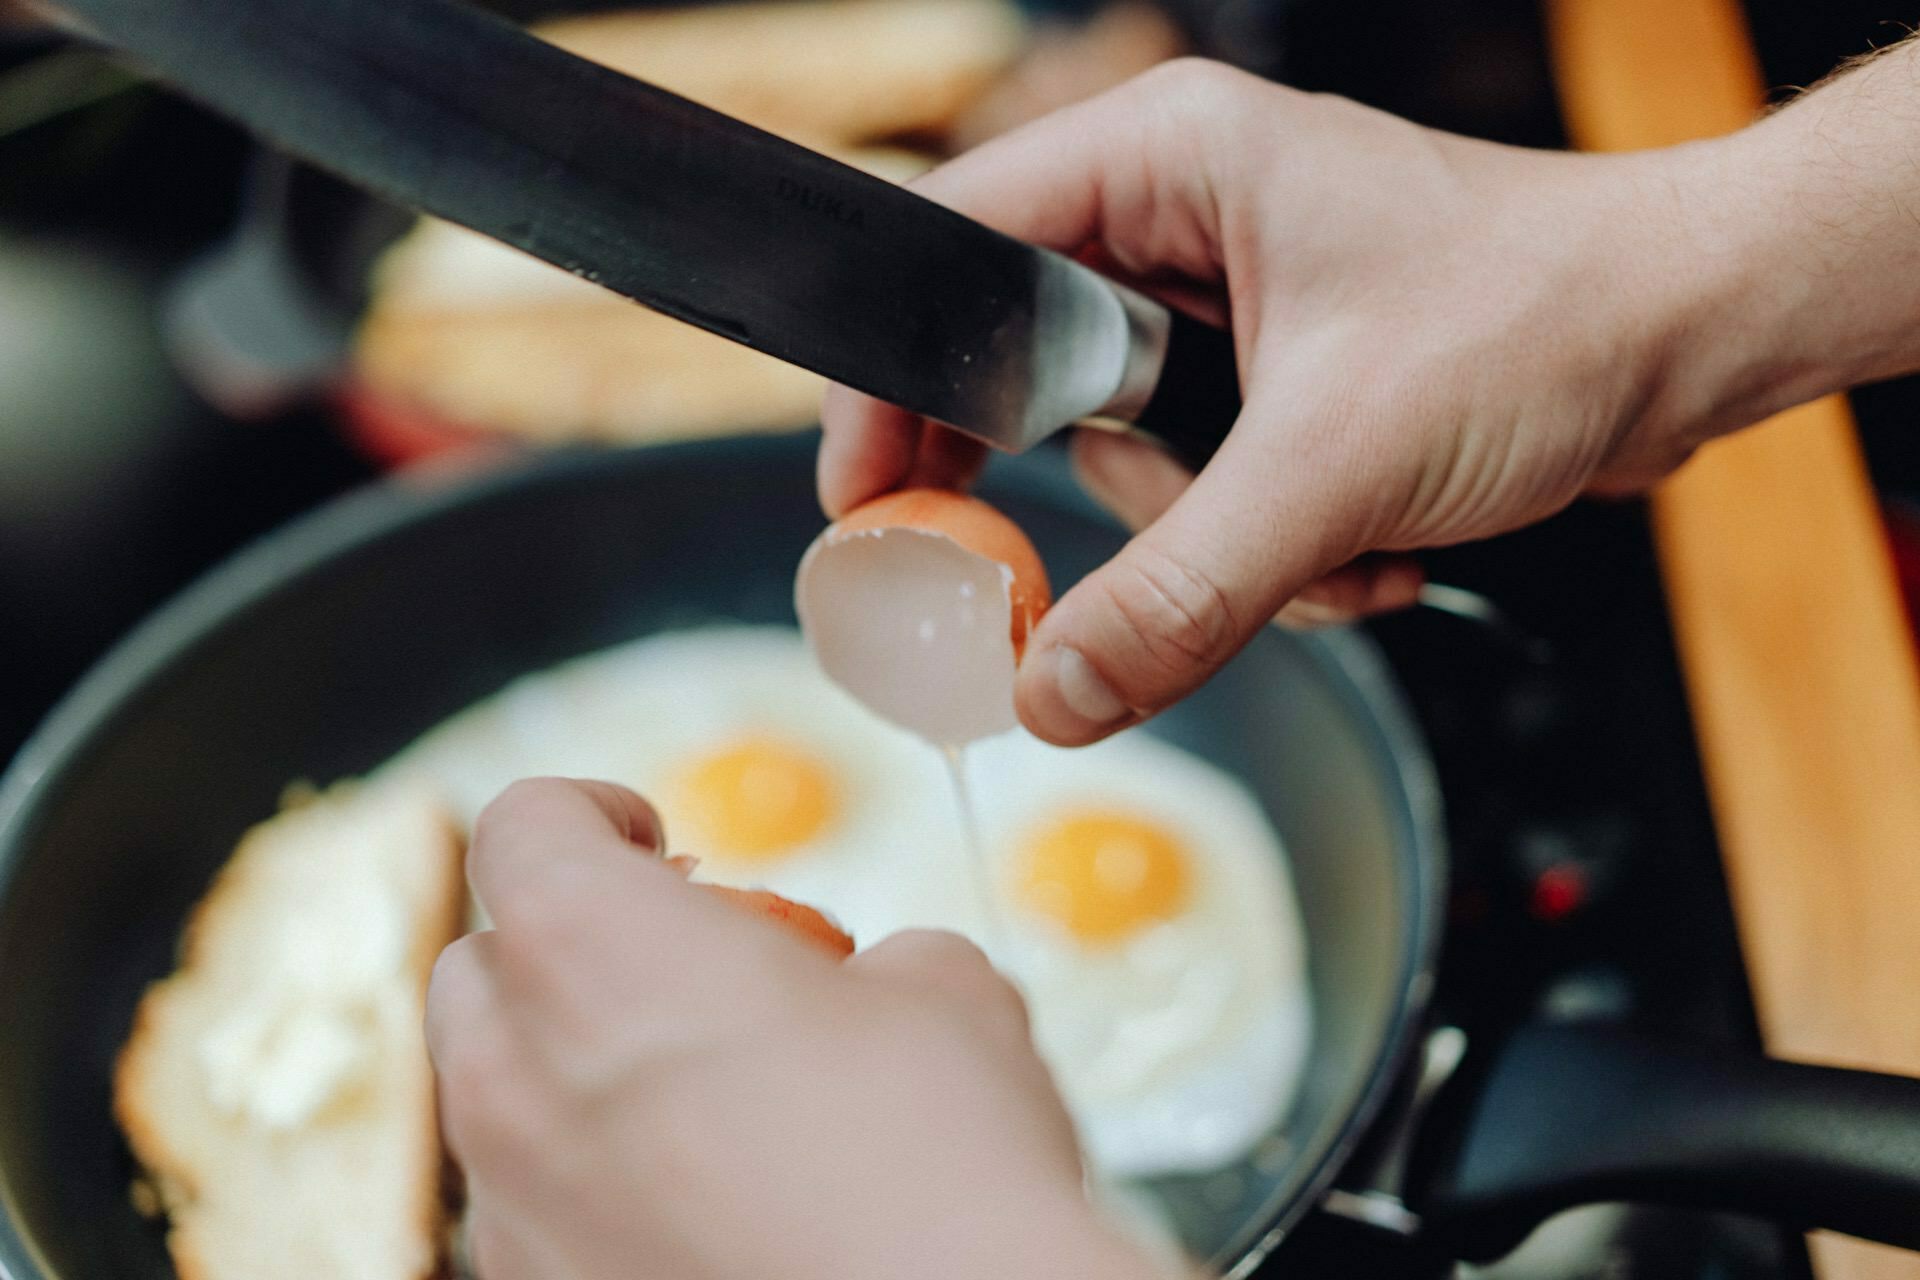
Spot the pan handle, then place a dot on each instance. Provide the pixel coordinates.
(1564, 1115)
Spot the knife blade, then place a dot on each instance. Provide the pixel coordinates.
(441, 106)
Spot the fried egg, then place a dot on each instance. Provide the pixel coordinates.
(1136, 894)
(752, 760)
(1153, 928)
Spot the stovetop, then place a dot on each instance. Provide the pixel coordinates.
(1586, 882)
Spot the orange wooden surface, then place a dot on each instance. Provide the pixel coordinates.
(1799, 666)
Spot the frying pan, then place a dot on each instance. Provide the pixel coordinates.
(327, 648)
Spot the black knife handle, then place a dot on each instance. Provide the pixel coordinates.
(1198, 396)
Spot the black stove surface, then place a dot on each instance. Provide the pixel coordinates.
(1586, 882)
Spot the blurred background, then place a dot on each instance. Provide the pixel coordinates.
(178, 369)
(178, 363)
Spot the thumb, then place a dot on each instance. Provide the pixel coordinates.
(1188, 592)
(937, 961)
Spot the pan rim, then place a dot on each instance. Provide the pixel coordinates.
(281, 560)
(1368, 686)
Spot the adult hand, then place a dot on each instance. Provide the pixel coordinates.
(642, 1080)
(1439, 339)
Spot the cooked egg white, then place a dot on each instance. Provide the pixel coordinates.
(1137, 894)
(1155, 933)
(752, 759)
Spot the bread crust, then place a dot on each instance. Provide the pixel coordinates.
(176, 1132)
(845, 72)
(469, 333)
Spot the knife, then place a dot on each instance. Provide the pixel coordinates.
(449, 109)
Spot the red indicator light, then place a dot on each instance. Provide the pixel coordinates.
(1558, 893)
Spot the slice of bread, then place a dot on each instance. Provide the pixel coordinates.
(846, 72)
(276, 1088)
(481, 336)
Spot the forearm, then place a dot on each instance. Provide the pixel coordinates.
(1804, 234)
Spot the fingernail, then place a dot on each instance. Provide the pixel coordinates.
(1084, 691)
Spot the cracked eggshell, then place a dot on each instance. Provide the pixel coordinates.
(919, 604)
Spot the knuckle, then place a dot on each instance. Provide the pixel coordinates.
(1191, 91)
(924, 1029)
(533, 893)
(992, 998)
(500, 831)
(491, 1099)
(976, 990)
(491, 1115)
(450, 987)
(542, 935)
(1181, 615)
(456, 1006)
(470, 1070)
(1006, 1006)
(1200, 81)
(939, 947)
(976, 985)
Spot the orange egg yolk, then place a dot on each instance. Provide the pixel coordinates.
(1104, 876)
(756, 799)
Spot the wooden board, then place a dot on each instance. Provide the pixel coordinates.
(1799, 665)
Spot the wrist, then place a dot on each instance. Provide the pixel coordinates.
(1721, 310)
(1790, 253)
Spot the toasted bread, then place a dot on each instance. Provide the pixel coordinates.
(276, 1088)
(820, 71)
(481, 336)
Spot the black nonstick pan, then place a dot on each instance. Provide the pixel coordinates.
(327, 648)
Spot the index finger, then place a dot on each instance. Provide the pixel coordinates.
(563, 802)
(542, 829)
(866, 448)
(869, 447)
(565, 870)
